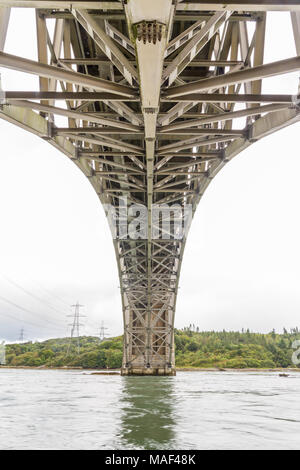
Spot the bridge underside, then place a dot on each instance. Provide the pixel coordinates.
(142, 96)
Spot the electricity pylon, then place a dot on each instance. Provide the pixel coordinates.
(75, 325)
(21, 337)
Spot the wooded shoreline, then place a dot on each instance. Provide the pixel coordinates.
(194, 350)
(178, 369)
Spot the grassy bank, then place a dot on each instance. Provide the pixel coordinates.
(233, 350)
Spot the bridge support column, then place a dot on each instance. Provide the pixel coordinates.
(149, 341)
(159, 357)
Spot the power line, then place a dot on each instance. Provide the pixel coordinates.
(24, 310)
(75, 326)
(34, 296)
(54, 296)
(41, 300)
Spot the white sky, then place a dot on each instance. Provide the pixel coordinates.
(241, 267)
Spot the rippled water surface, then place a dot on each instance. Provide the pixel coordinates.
(58, 409)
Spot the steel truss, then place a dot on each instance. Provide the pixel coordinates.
(149, 91)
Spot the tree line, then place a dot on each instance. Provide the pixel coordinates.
(221, 349)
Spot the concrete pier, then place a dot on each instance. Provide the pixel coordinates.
(155, 371)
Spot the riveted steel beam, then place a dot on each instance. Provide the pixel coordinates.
(242, 76)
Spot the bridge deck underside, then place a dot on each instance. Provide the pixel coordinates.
(155, 98)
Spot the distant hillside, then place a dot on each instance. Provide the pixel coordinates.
(54, 353)
(193, 349)
(234, 349)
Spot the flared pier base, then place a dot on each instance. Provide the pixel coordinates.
(147, 371)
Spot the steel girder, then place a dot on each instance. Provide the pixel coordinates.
(149, 90)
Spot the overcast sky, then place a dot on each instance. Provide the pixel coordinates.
(241, 267)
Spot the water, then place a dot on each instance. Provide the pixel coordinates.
(57, 409)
